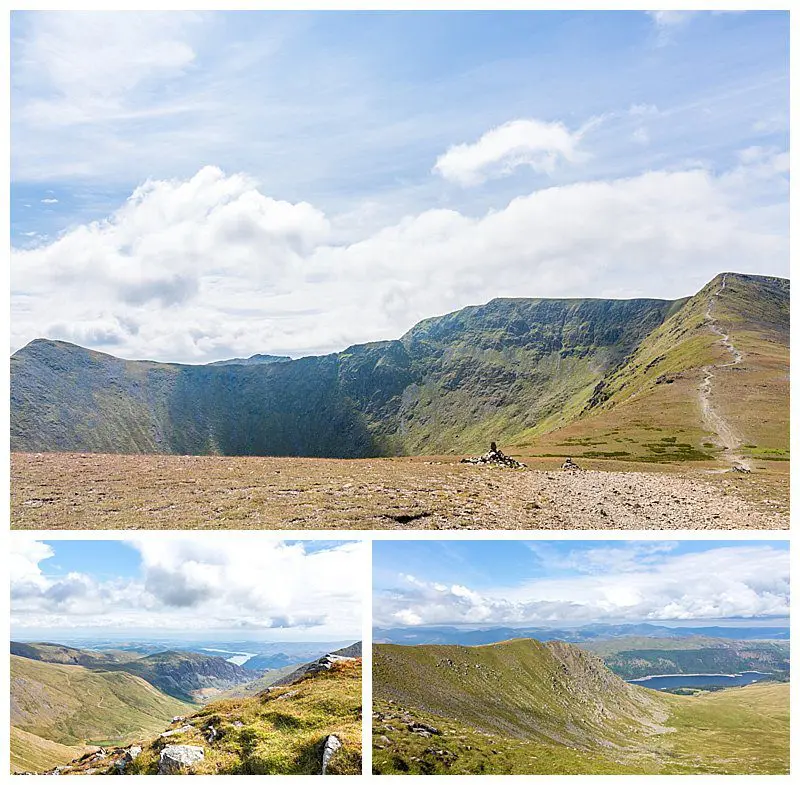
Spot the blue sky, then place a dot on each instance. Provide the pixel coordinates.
(344, 127)
(237, 585)
(567, 582)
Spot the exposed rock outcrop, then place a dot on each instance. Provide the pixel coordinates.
(324, 663)
(329, 749)
(495, 457)
(179, 758)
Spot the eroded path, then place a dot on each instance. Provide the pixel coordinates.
(723, 433)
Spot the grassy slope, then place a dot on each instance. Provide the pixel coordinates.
(33, 753)
(532, 709)
(649, 408)
(72, 705)
(67, 655)
(488, 372)
(260, 684)
(632, 657)
(451, 383)
(282, 731)
(754, 396)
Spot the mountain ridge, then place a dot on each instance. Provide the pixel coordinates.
(526, 707)
(529, 371)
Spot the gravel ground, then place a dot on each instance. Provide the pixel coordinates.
(71, 491)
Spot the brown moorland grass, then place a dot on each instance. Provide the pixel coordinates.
(96, 491)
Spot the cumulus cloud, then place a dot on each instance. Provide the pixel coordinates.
(210, 267)
(542, 146)
(236, 582)
(748, 581)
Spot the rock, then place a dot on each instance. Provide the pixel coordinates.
(133, 753)
(329, 749)
(741, 469)
(570, 465)
(177, 719)
(238, 724)
(289, 694)
(423, 730)
(212, 734)
(179, 758)
(495, 457)
(174, 731)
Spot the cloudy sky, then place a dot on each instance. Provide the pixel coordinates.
(244, 586)
(197, 186)
(503, 583)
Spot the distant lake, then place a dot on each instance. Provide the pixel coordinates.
(239, 657)
(671, 681)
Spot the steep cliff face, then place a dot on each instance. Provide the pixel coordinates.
(510, 370)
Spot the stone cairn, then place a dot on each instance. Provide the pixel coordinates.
(495, 457)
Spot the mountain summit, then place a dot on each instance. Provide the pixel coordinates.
(535, 373)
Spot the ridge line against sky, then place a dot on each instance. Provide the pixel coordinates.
(192, 187)
(551, 583)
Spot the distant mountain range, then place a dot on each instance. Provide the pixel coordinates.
(589, 632)
(592, 377)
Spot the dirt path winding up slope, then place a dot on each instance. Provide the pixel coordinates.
(724, 434)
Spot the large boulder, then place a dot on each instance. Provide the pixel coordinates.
(179, 758)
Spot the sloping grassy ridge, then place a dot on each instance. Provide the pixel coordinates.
(523, 707)
(72, 705)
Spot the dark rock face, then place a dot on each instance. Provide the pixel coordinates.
(489, 371)
(180, 673)
(410, 395)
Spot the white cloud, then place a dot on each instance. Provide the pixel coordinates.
(49, 201)
(232, 583)
(211, 267)
(533, 143)
(87, 66)
(633, 584)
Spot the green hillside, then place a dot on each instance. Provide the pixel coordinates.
(187, 675)
(649, 407)
(634, 657)
(72, 705)
(598, 378)
(541, 708)
(282, 730)
(67, 655)
(260, 684)
(33, 753)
